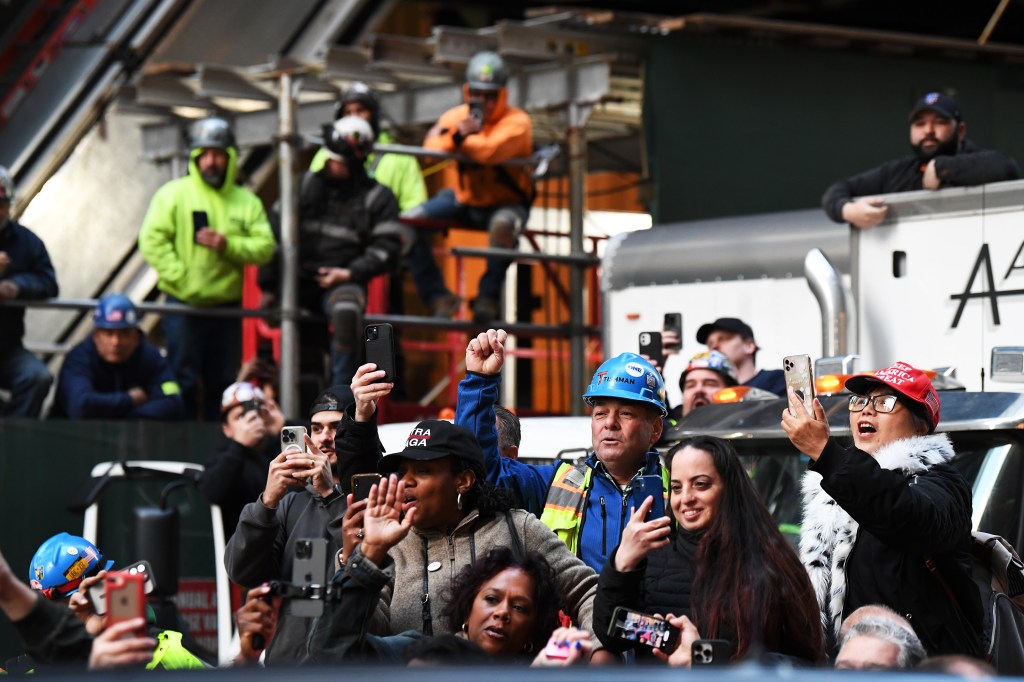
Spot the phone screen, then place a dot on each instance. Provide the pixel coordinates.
(199, 221)
(643, 629)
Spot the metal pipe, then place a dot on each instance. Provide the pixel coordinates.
(577, 148)
(516, 328)
(289, 247)
(524, 257)
(827, 287)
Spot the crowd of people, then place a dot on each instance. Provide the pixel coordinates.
(460, 555)
(461, 552)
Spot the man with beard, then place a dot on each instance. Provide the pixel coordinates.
(943, 157)
(706, 374)
(198, 234)
(348, 234)
(263, 545)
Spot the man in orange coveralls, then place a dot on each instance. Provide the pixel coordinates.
(487, 131)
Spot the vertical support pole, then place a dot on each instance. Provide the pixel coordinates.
(577, 147)
(289, 249)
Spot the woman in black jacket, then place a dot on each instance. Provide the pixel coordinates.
(726, 566)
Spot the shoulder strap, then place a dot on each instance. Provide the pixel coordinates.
(517, 542)
(428, 622)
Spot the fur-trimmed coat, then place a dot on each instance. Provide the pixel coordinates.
(869, 522)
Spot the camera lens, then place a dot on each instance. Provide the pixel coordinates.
(303, 549)
(371, 333)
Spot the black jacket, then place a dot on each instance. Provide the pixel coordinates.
(235, 476)
(662, 584)
(896, 507)
(31, 270)
(970, 167)
(353, 224)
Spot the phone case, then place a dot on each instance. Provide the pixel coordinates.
(98, 592)
(380, 349)
(643, 628)
(800, 377)
(650, 345)
(361, 484)
(649, 486)
(125, 598)
(710, 652)
(309, 567)
(292, 439)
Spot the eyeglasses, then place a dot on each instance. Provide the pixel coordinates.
(483, 94)
(879, 403)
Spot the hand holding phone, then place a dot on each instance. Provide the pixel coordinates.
(199, 221)
(650, 345)
(293, 439)
(649, 486)
(361, 484)
(800, 377)
(379, 344)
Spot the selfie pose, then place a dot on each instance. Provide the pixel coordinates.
(875, 512)
(724, 565)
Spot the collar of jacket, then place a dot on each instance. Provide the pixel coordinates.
(471, 516)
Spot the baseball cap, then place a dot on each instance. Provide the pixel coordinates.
(712, 360)
(911, 383)
(944, 105)
(433, 439)
(726, 324)
(334, 399)
(238, 393)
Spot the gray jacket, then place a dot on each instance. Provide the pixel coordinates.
(472, 538)
(263, 548)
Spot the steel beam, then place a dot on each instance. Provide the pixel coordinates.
(289, 247)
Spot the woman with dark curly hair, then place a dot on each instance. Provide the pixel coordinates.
(504, 606)
(725, 570)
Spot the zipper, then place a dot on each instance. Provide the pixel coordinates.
(604, 528)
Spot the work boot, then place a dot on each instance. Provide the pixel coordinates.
(485, 310)
(446, 306)
(504, 234)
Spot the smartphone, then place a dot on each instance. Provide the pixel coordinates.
(124, 596)
(361, 484)
(553, 650)
(199, 221)
(644, 629)
(800, 377)
(292, 439)
(379, 340)
(650, 345)
(98, 592)
(649, 486)
(710, 652)
(673, 323)
(476, 110)
(309, 567)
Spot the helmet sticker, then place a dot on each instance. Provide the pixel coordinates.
(651, 381)
(634, 369)
(601, 376)
(76, 569)
(39, 573)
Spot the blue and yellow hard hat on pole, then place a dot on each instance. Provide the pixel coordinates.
(628, 377)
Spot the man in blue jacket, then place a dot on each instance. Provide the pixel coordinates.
(116, 373)
(587, 504)
(25, 273)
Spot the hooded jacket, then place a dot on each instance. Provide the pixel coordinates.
(869, 523)
(506, 134)
(196, 274)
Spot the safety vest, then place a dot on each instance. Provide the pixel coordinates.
(171, 655)
(567, 499)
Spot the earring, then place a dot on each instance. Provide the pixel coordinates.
(528, 649)
(458, 501)
(465, 628)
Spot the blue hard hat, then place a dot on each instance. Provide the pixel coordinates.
(628, 377)
(115, 311)
(61, 562)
